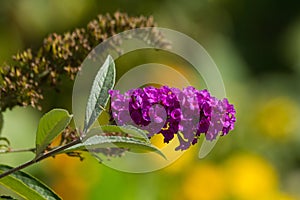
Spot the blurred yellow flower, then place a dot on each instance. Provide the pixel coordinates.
(158, 141)
(251, 177)
(278, 117)
(204, 182)
(182, 162)
(283, 196)
(64, 170)
(70, 178)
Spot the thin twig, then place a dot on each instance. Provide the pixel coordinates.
(40, 157)
(18, 150)
(17, 168)
(104, 109)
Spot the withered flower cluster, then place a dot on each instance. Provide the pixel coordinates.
(30, 72)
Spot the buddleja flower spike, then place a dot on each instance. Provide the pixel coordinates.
(186, 113)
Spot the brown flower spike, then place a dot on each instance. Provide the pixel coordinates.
(23, 80)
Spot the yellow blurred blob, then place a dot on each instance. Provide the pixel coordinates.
(204, 182)
(282, 196)
(251, 177)
(183, 162)
(71, 188)
(278, 117)
(70, 177)
(277, 196)
(158, 141)
(67, 181)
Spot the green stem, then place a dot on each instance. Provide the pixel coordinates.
(17, 150)
(40, 157)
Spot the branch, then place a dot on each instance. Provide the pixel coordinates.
(39, 158)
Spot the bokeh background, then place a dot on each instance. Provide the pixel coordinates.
(255, 44)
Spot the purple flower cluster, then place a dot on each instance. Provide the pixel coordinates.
(188, 113)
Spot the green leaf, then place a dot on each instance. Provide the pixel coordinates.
(98, 141)
(4, 144)
(50, 125)
(26, 186)
(127, 129)
(98, 98)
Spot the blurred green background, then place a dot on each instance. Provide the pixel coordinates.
(255, 44)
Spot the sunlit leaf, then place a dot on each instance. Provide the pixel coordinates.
(128, 129)
(26, 186)
(98, 98)
(50, 125)
(98, 141)
(4, 144)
